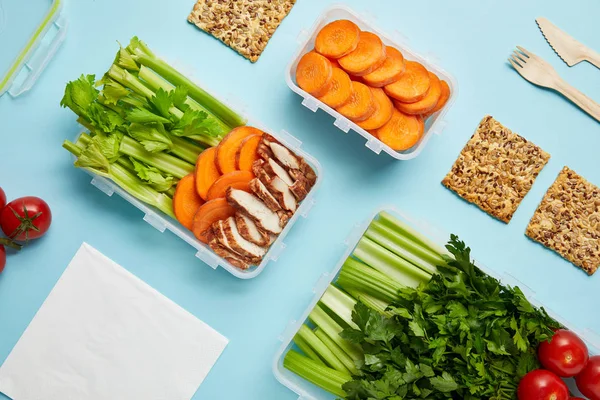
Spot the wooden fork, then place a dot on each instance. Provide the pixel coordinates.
(539, 72)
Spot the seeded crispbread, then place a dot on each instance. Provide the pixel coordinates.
(244, 25)
(496, 169)
(568, 220)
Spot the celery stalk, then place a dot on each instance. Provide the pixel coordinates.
(357, 275)
(372, 302)
(340, 304)
(220, 110)
(337, 351)
(326, 378)
(409, 232)
(185, 150)
(389, 264)
(307, 350)
(395, 243)
(165, 162)
(321, 349)
(320, 318)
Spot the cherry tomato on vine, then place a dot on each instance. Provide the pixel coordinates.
(588, 380)
(2, 258)
(2, 199)
(565, 354)
(25, 218)
(541, 384)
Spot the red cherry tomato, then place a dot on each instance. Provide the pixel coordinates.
(565, 354)
(2, 258)
(588, 380)
(2, 199)
(540, 384)
(25, 218)
(576, 398)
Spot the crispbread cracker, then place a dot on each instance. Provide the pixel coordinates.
(244, 25)
(496, 169)
(568, 220)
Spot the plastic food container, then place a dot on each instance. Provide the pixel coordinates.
(306, 40)
(162, 222)
(30, 35)
(307, 390)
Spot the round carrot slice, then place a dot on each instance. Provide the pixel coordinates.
(361, 105)
(340, 91)
(247, 154)
(402, 131)
(389, 72)
(334, 63)
(383, 111)
(209, 213)
(314, 74)
(444, 96)
(206, 171)
(427, 103)
(186, 201)
(225, 157)
(367, 57)
(236, 179)
(412, 85)
(337, 38)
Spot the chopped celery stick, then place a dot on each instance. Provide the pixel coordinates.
(307, 350)
(385, 237)
(408, 231)
(321, 349)
(372, 302)
(357, 275)
(337, 351)
(165, 162)
(320, 318)
(185, 150)
(340, 304)
(324, 377)
(389, 264)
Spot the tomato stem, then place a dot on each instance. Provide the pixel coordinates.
(9, 243)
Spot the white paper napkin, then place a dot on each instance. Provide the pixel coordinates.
(103, 334)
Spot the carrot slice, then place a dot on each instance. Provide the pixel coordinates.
(402, 131)
(383, 111)
(247, 154)
(340, 91)
(444, 97)
(337, 38)
(227, 149)
(412, 85)
(334, 63)
(236, 179)
(427, 103)
(206, 171)
(314, 74)
(361, 104)
(367, 57)
(186, 201)
(209, 213)
(389, 72)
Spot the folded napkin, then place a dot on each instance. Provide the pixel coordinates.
(104, 334)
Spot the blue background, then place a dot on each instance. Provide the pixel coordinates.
(472, 39)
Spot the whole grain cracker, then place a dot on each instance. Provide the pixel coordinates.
(496, 169)
(568, 220)
(244, 25)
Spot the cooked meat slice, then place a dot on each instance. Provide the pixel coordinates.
(263, 193)
(308, 172)
(282, 193)
(250, 231)
(272, 168)
(299, 188)
(284, 156)
(253, 207)
(221, 234)
(240, 245)
(229, 256)
(264, 151)
(268, 139)
(284, 217)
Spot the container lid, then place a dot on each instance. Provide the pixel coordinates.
(30, 34)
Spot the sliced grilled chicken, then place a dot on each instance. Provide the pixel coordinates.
(254, 208)
(305, 171)
(284, 156)
(300, 189)
(234, 259)
(250, 231)
(272, 168)
(264, 150)
(281, 191)
(263, 193)
(284, 217)
(240, 245)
